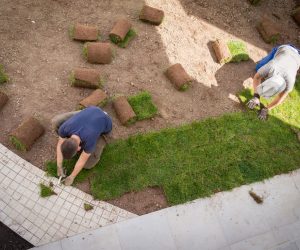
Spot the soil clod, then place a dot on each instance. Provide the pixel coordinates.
(26, 134)
(86, 78)
(124, 111)
(151, 15)
(178, 76)
(83, 32)
(97, 98)
(258, 199)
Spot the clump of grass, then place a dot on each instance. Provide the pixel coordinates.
(51, 169)
(3, 77)
(142, 105)
(185, 86)
(71, 32)
(17, 143)
(238, 51)
(46, 191)
(72, 78)
(87, 207)
(85, 50)
(131, 34)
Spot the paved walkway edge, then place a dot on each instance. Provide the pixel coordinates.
(228, 221)
(43, 220)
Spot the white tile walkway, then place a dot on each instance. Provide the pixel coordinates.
(43, 220)
(227, 221)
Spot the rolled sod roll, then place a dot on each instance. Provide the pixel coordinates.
(124, 111)
(97, 98)
(120, 30)
(82, 32)
(26, 134)
(178, 76)
(3, 99)
(296, 15)
(222, 51)
(86, 78)
(97, 52)
(151, 15)
(268, 31)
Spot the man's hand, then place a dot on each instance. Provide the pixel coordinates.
(263, 114)
(60, 171)
(254, 102)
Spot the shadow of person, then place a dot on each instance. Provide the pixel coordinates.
(231, 76)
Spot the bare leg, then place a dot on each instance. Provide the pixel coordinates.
(95, 157)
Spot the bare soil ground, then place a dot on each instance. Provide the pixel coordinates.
(149, 200)
(38, 56)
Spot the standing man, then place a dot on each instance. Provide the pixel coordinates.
(81, 131)
(276, 76)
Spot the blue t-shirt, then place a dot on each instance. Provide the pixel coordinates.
(88, 124)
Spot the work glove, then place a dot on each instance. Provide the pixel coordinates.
(263, 114)
(254, 102)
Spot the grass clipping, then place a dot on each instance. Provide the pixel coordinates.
(87, 207)
(3, 77)
(142, 105)
(46, 191)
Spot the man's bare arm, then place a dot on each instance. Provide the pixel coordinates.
(278, 100)
(80, 163)
(59, 156)
(256, 81)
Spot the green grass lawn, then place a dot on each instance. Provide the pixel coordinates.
(199, 159)
(142, 105)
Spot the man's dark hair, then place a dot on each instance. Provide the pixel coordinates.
(69, 148)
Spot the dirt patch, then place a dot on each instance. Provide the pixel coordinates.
(84, 186)
(143, 202)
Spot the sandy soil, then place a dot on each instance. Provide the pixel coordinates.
(38, 56)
